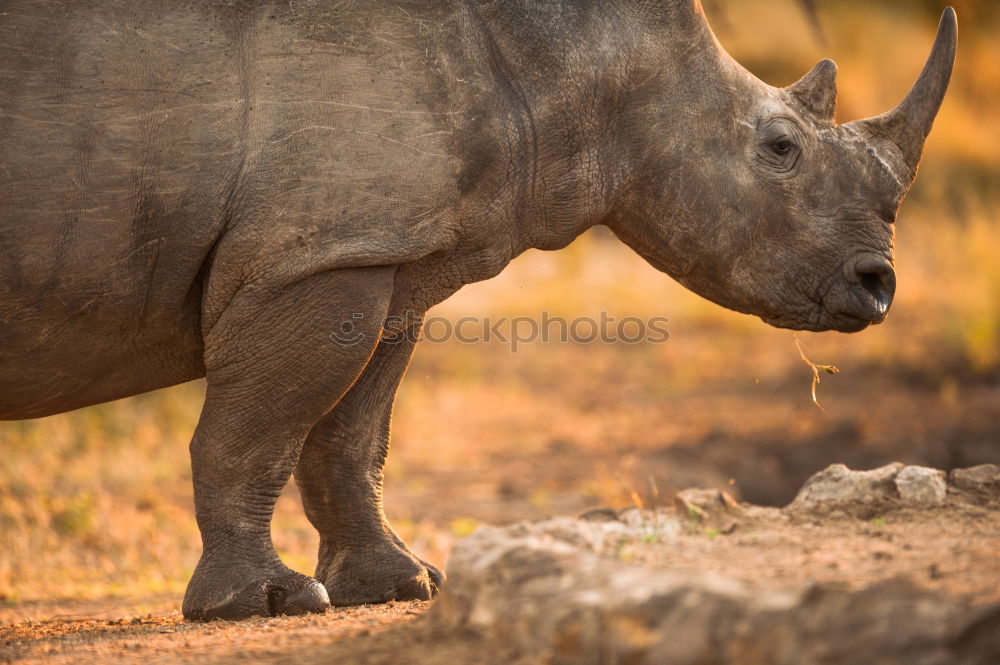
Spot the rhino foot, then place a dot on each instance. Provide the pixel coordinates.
(287, 592)
(367, 576)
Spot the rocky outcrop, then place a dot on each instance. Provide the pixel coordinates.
(563, 591)
(865, 493)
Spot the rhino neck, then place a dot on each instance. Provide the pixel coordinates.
(537, 153)
(686, 97)
(561, 101)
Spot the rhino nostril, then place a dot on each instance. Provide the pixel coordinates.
(872, 283)
(879, 279)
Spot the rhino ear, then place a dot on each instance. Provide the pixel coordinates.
(817, 90)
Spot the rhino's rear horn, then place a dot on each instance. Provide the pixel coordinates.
(909, 123)
(817, 90)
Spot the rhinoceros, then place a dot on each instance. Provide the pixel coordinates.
(214, 189)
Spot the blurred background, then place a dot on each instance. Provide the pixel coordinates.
(98, 502)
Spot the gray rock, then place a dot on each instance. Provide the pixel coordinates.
(837, 487)
(980, 483)
(541, 591)
(920, 486)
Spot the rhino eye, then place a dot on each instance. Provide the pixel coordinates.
(782, 146)
(778, 148)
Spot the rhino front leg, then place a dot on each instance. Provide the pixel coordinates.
(361, 559)
(273, 371)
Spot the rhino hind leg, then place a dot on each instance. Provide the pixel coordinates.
(361, 559)
(273, 371)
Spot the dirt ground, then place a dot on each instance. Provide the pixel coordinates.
(953, 550)
(115, 632)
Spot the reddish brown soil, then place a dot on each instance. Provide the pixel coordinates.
(112, 632)
(954, 550)
(381, 634)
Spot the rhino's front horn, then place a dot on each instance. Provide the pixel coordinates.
(909, 123)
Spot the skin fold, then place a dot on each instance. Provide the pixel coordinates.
(213, 189)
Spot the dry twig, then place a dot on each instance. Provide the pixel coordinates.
(816, 369)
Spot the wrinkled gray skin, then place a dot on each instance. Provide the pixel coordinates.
(213, 188)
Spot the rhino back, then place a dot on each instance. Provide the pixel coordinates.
(141, 141)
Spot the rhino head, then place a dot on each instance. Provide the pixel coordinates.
(754, 197)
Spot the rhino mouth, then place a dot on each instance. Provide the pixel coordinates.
(850, 307)
(822, 321)
(848, 323)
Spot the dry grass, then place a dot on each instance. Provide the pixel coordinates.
(97, 501)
